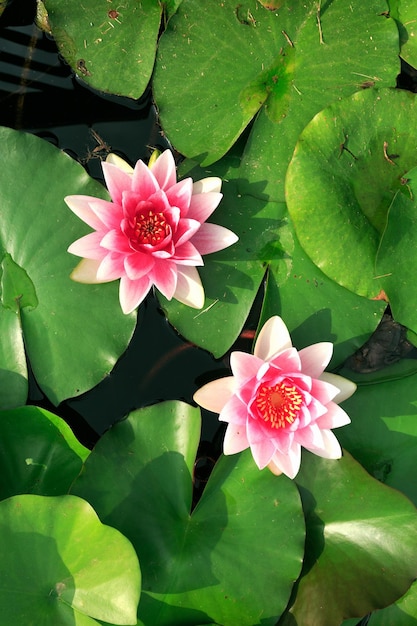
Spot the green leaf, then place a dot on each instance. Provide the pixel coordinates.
(316, 308)
(404, 12)
(360, 546)
(38, 453)
(347, 166)
(109, 44)
(383, 432)
(403, 612)
(13, 370)
(241, 57)
(195, 565)
(397, 254)
(36, 229)
(354, 48)
(60, 565)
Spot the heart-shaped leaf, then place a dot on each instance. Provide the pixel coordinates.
(404, 12)
(60, 565)
(38, 453)
(397, 253)
(383, 432)
(289, 62)
(195, 565)
(109, 44)
(73, 333)
(348, 164)
(360, 545)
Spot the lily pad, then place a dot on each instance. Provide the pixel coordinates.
(194, 563)
(109, 44)
(60, 565)
(241, 58)
(348, 164)
(383, 416)
(404, 12)
(73, 333)
(13, 370)
(397, 253)
(360, 546)
(39, 454)
(403, 612)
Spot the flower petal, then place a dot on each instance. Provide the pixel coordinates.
(214, 395)
(164, 277)
(114, 159)
(89, 246)
(111, 267)
(137, 265)
(288, 464)
(272, 339)
(262, 452)
(110, 213)
(80, 205)
(133, 292)
(315, 358)
(117, 241)
(244, 366)
(234, 411)
(117, 181)
(346, 387)
(179, 195)
(234, 439)
(212, 238)
(331, 447)
(206, 185)
(86, 272)
(334, 418)
(144, 182)
(202, 205)
(189, 289)
(163, 168)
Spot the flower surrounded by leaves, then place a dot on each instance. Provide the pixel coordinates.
(279, 400)
(154, 232)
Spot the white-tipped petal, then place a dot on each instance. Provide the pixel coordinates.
(235, 439)
(315, 358)
(86, 272)
(272, 339)
(346, 387)
(287, 464)
(212, 183)
(113, 159)
(189, 288)
(214, 395)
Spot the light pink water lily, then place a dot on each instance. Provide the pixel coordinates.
(154, 232)
(279, 400)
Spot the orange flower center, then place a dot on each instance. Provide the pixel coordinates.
(151, 228)
(279, 405)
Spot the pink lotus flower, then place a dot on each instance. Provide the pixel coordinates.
(278, 400)
(152, 233)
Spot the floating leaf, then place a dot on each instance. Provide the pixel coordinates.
(73, 333)
(38, 453)
(397, 254)
(60, 565)
(360, 545)
(383, 432)
(404, 12)
(109, 44)
(241, 57)
(348, 165)
(194, 565)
